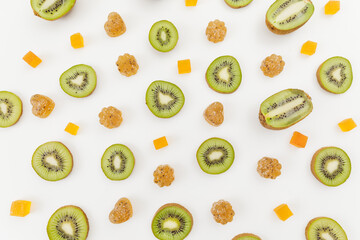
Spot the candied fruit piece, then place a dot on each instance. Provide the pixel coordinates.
(214, 114)
(216, 31)
(190, 3)
(272, 65)
(77, 40)
(298, 140)
(269, 167)
(127, 65)
(32, 59)
(160, 143)
(309, 48)
(184, 66)
(110, 117)
(222, 212)
(122, 211)
(164, 175)
(72, 128)
(347, 125)
(20, 208)
(332, 7)
(115, 25)
(42, 105)
(283, 212)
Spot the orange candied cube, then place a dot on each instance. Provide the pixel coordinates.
(190, 3)
(347, 125)
(77, 40)
(72, 128)
(332, 7)
(160, 143)
(309, 48)
(184, 66)
(20, 208)
(32, 59)
(283, 212)
(298, 140)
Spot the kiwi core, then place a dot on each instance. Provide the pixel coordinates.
(165, 99)
(327, 236)
(332, 165)
(52, 161)
(224, 75)
(67, 228)
(291, 10)
(286, 107)
(4, 108)
(215, 155)
(117, 162)
(171, 224)
(47, 4)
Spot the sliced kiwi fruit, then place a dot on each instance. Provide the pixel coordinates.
(78, 81)
(335, 75)
(68, 223)
(324, 228)
(286, 16)
(172, 222)
(117, 162)
(52, 9)
(164, 99)
(224, 74)
(10, 109)
(331, 166)
(285, 108)
(163, 36)
(246, 236)
(215, 155)
(238, 3)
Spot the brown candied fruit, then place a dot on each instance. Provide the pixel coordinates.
(214, 114)
(122, 211)
(272, 65)
(115, 25)
(164, 175)
(127, 65)
(222, 212)
(269, 168)
(42, 105)
(216, 31)
(110, 117)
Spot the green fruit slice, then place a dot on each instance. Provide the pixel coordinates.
(163, 36)
(238, 3)
(10, 109)
(246, 236)
(52, 9)
(284, 109)
(323, 228)
(331, 166)
(215, 155)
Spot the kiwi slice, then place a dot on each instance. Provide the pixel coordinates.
(215, 155)
(68, 223)
(331, 166)
(224, 74)
(172, 222)
(163, 36)
(286, 16)
(324, 228)
(238, 3)
(246, 236)
(284, 109)
(10, 109)
(117, 162)
(164, 99)
(52, 9)
(78, 81)
(52, 161)
(335, 75)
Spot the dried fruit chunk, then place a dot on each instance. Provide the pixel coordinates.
(10, 109)
(324, 228)
(52, 9)
(160, 143)
(20, 208)
(272, 65)
(190, 3)
(309, 48)
(164, 175)
(115, 25)
(214, 114)
(298, 140)
(184, 66)
(42, 105)
(72, 128)
(238, 3)
(283, 212)
(216, 31)
(110, 117)
(246, 236)
(127, 65)
(77, 41)
(332, 7)
(31, 59)
(347, 125)
(222, 212)
(269, 168)
(122, 211)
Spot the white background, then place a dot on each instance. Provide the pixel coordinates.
(253, 198)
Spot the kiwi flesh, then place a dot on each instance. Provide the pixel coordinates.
(238, 3)
(172, 222)
(52, 161)
(285, 108)
(246, 236)
(215, 155)
(331, 166)
(286, 16)
(164, 99)
(117, 162)
(335, 75)
(52, 9)
(68, 223)
(78, 81)
(324, 228)
(163, 36)
(10, 109)
(224, 74)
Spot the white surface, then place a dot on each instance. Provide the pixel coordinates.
(253, 198)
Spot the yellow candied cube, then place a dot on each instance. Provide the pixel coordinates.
(31, 59)
(184, 66)
(283, 212)
(20, 208)
(309, 48)
(72, 128)
(160, 143)
(77, 40)
(332, 7)
(347, 125)
(190, 3)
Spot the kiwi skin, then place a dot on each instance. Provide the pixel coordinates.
(245, 235)
(36, 14)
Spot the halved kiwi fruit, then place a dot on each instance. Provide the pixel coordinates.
(163, 36)
(164, 99)
(246, 236)
(117, 162)
(335, 75)
(172, 222)
(215, 155)
(68, 222)
(52, 9)
(324, 228)
(285, 108)
(331, 166)
(286, 16)
(78, 81)
(10, 109)
(238, 3)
